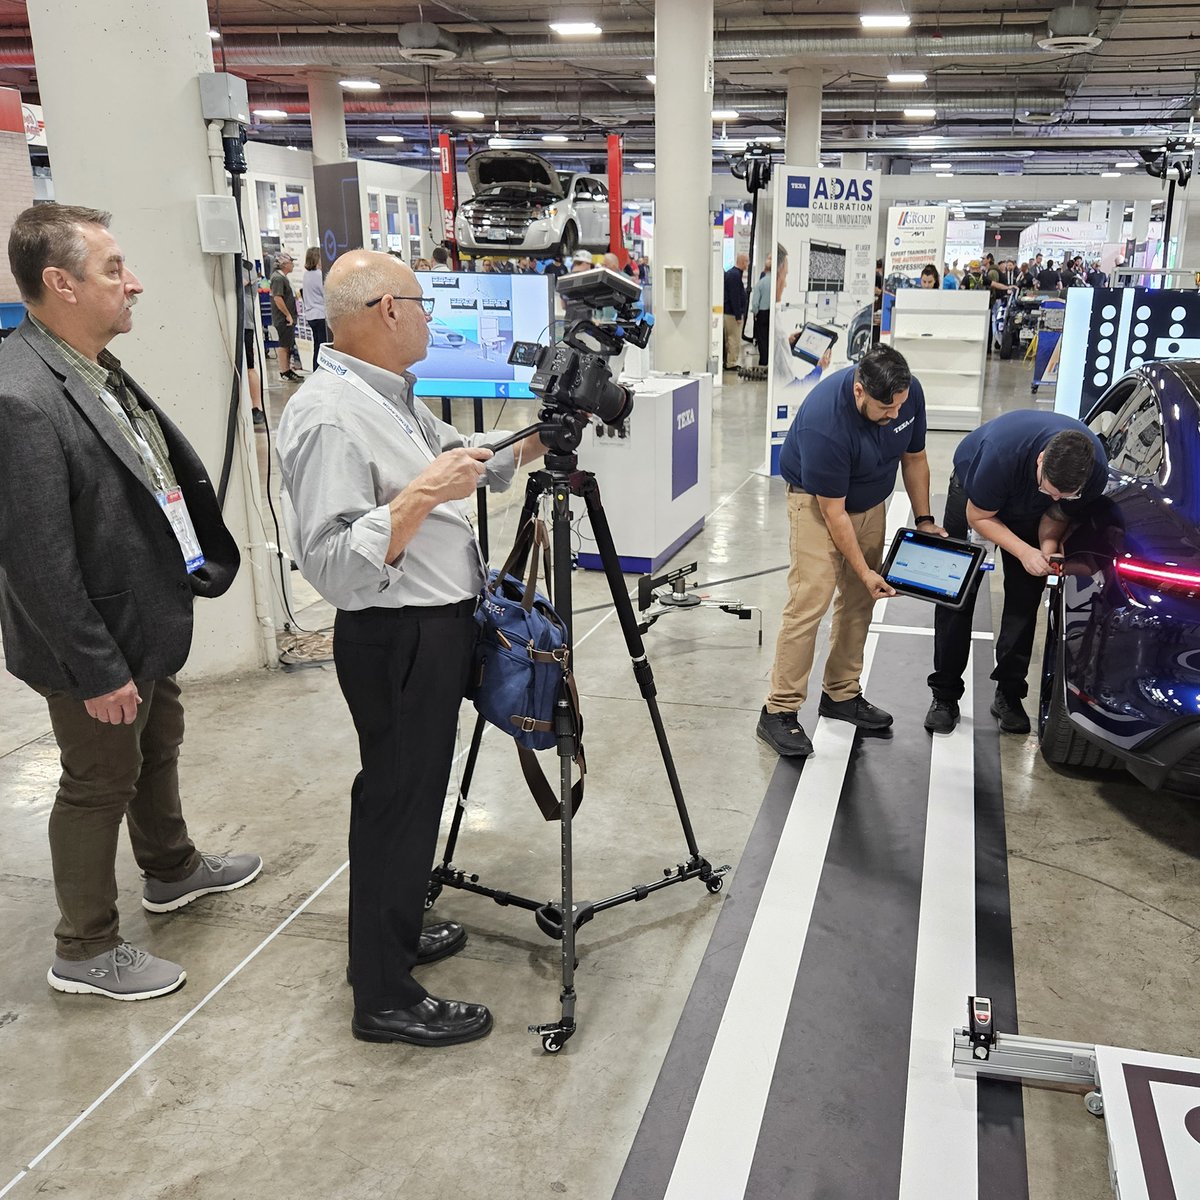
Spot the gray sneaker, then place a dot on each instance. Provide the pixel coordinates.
(216, 873)
(123, 973)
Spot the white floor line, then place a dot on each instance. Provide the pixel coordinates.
(166, 1037)
(978, 635)
(940, 1156)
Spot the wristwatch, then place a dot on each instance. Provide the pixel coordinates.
(924, 517)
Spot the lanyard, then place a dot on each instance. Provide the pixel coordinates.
(144, 449)
(457, 507)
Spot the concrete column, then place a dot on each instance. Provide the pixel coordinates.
(1098, 211)
(854, 160)
(1141, 220)
(326, 106)
(1189, 245)
(1116, 221)
(183, 334)
(683, 35)
(803, 135)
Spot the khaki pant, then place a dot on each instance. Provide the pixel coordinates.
(733, 340)
(818, 572)
(112, 772)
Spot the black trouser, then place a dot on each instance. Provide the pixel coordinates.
(403, 672)
(1018, 622)
(762, 334)
(319, 336)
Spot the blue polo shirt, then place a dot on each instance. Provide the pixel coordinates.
(832, 450)
(996, 464)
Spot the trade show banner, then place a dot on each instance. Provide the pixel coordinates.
(915, 237)
(964, 242)
(823, 285)
(1057, 239)
(1108, 331)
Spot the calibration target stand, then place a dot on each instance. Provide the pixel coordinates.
(1150, 1102)
(668, 593)
(560, 480)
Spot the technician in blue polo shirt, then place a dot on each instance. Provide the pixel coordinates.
(853, 432)
(1017, 480)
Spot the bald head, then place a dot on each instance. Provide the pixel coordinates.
(741, 262)
(370, 302)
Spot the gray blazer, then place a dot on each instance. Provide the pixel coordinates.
(93, 587)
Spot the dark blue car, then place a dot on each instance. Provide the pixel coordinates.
(1121, 675)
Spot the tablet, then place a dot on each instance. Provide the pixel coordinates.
(813, 342)
(931, 567)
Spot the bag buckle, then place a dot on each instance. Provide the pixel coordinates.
(527, 724)
(560, 655)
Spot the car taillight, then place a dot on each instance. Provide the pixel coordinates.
(1157, 577)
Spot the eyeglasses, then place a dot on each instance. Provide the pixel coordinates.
(1043, 483)
(426, 302)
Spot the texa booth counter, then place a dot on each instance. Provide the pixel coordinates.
(653, 472)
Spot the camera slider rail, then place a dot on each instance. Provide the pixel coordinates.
(654, 602)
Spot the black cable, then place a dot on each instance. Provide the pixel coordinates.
(235, 397)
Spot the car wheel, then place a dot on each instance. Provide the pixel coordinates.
(859, 344)
(1006, 344)
(1062, 745)
(570, 240)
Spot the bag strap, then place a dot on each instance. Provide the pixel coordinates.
(521, 544)
(544, 796)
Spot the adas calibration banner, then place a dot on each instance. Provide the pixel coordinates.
(823, 285)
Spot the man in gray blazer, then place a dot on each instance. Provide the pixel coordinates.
(108, 529)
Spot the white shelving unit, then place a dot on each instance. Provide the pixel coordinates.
(943, 335)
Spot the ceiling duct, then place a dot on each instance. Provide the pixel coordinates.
(1072, 30)
(425, 43)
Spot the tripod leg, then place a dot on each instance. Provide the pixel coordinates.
(590, 491)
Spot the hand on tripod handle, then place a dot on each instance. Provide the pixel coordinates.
(454, 474)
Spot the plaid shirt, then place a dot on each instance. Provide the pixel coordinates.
(105, 379)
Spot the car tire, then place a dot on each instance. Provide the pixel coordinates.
(1006, 344)
(860, 344)
(1062, 745)
(570, 240)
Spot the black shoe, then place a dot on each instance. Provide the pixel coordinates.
(784, 734)
(438, 941)
(942, 716)
(858, 710)
(1009, 712)
(432, 1022)
(260, 418)
(290, 376)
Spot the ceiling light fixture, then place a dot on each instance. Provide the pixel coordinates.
(920, 114)
(884, 20)
(944, 175)
(907, 77)
(771, 139)
(270, 114)
(1121, 166)
(554, 137)
(940, 166)
(576, 28)
(388, 137)
(466, 114)
(360, 85)
(497, 142)
(652, 78)
(643, 166)
(1110, 174)
(724, 114)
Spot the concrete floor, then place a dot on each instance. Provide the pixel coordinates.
(247, 1082)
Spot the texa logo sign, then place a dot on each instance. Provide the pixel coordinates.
(797, 191)
(685, 418)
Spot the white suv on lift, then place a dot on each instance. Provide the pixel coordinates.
(522, 205)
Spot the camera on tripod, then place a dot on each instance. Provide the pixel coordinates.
(572, 377)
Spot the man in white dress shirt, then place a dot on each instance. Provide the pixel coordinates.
(373, 499)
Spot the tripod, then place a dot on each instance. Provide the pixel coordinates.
(560, 479)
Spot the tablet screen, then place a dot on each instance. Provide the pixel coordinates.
(931, 567)
(812, 343)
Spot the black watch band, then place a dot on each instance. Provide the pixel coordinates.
(924, 517)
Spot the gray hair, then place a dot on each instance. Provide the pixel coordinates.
(49, 235)
(349, 292)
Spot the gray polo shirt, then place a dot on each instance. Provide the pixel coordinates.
(343, 457)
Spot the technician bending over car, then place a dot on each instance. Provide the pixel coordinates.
(855, 429)
(1016, 481)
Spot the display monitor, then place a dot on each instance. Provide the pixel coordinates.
(476, 318)
(932, 567)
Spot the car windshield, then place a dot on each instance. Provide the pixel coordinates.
(564, 182)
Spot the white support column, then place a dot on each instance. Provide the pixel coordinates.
(1116, 221)
(854, 160)
(683, 34)
(327, 109)
(184, 331)
(1098, 211)
(1141, 220)
(1189, 245)
(803, 135)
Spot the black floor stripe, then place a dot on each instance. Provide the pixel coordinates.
(1003, 1170)
(652, 1157)
(834, 1123)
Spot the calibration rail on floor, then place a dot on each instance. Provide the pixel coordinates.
(1150, 1102)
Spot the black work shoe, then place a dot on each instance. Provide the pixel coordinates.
(438, 941)
(431, 1022)
(942, 716)
(1008, 711)
(784, 734)
(858, 710)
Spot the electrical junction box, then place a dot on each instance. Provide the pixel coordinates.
(218, 220)
(224, 97)
(675, 288)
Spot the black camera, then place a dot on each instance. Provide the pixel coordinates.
(572, 377)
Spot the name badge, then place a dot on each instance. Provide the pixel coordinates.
(175, 506)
